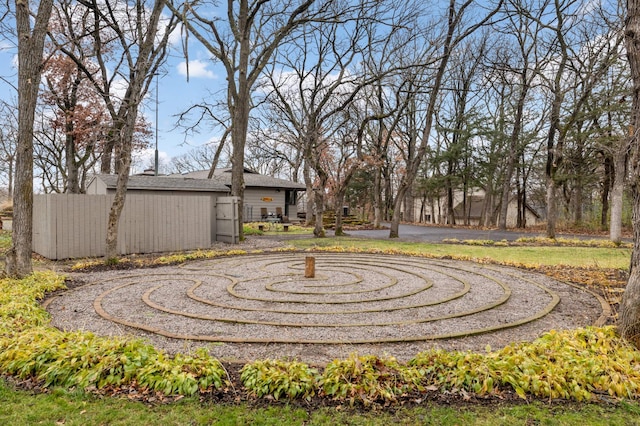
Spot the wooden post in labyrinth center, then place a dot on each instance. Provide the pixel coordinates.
(309, 267)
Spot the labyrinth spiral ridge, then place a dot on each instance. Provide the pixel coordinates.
(353, 299)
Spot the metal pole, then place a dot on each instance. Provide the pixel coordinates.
(155, 169)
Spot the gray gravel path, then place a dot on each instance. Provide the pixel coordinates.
(260, 306)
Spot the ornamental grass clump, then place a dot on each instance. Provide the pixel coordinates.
(291, 379)
(368, 379)
(455, 370)
(19, 309)
(81, 359)
(576, 364)
(31, 349)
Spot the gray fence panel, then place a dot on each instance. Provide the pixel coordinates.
(71, 226)
(227, 227)
(43, 242)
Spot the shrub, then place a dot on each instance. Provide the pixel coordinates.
(367, 379)
(280, 378)
(30, 348)
(573, 365)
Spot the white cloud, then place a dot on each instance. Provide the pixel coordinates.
(175, 38)
(197, 69)
(5, 45)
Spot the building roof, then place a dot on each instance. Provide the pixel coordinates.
(165, 183)
(251, 179)
(474, 207)
(475, 203)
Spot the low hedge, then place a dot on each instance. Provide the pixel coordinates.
(30, 348)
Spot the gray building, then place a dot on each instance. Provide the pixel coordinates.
(264, 196)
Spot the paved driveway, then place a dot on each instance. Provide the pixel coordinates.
(437, 234)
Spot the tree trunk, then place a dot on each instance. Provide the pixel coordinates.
(310, 207)
(606, 187)
(629, 317)
(578, 201)
(433, 211)
(240, 111)
(118, 202)
(388, 202)
(339, 203)
(552, 208)
(487, 208)
(10, 177)
(377, 198)
(121, 134)
(617, 192)
(30, 48)
(554, 149)
(73, 180)
(409, 201)
(318, 193)
(239, 137)
(218, 153)
(394, 228)
(451, 215)
(123, 167)
(513, 152)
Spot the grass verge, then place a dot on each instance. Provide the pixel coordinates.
(64, 407)
(607, 257)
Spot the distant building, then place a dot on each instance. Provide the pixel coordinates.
(264, 196)
(470, 210)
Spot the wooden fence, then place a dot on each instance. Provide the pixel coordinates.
(72, 226)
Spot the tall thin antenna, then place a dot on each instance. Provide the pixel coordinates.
(155, 168)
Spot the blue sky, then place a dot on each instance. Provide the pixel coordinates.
(175, 94)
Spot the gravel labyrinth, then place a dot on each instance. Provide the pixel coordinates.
(259, 306)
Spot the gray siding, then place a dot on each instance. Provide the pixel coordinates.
(253, 202)
(96, 187)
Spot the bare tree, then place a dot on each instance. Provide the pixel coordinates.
(629, 321)
(209, 115)
(30, 49)
(139, 35)
(319, 99)
(525, 31)
(458, 123)
(568, 43)
(198, 158)
(453, 33)
(614, 142)
(386, 102)
(244, 40)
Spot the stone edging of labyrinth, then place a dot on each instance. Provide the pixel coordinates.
(353, 298)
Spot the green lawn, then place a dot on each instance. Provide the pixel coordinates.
(61, 407)
(548, 255)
